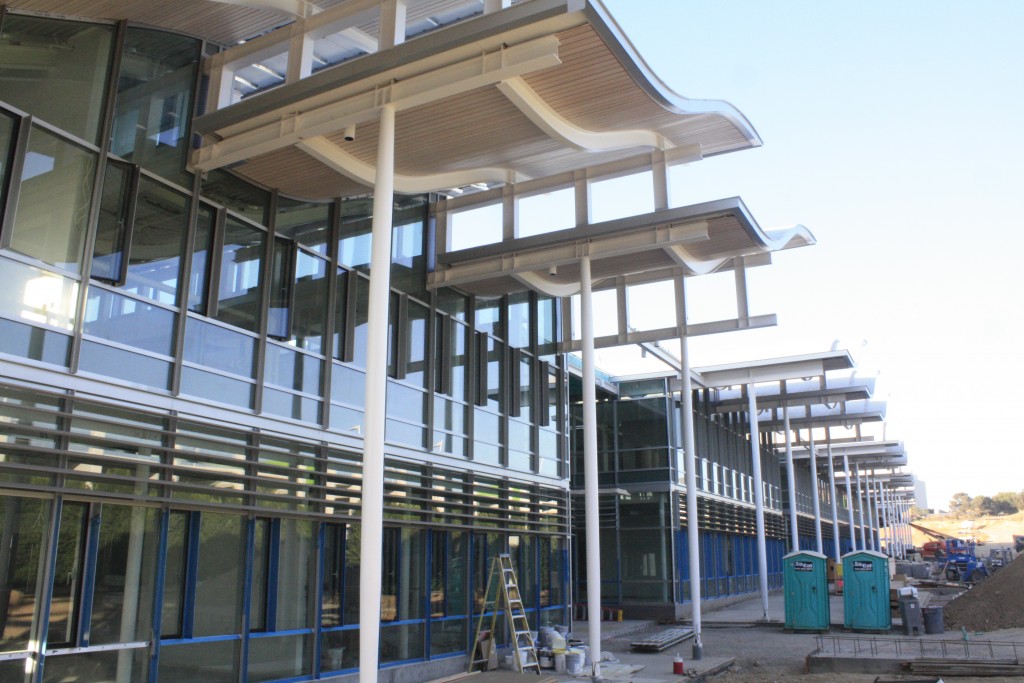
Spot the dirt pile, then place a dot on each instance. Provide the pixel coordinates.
(995, 603)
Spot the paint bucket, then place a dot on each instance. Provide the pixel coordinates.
(677, 665)
(574, 662)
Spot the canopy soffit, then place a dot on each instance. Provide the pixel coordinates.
(538, 89)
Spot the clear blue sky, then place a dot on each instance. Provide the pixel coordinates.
(892, 130)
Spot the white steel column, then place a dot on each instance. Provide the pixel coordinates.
(690, 451)
(590, 484)
(849, 503)
(860, 508)
(886, 525)
(794, 528)
(832, 494)
(872, 491)
(372, 492)
(755, 456)
(815, 500)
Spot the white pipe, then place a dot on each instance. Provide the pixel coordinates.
(815, 499)
(755, 458)
(692, 519)
(849, 503)
(886, 526)
(132, 578)
(590, 480)
(372, 492)
(794, 527)
(832, 495)
(872, 491)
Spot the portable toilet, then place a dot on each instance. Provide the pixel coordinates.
(866, 591)
(805, 580)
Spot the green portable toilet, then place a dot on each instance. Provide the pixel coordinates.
(805, 579)
(866, 591)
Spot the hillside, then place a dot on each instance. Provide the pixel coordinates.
(990, 530)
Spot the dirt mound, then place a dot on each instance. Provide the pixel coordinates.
(995, 603)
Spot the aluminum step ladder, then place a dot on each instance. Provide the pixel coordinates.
(503, 574)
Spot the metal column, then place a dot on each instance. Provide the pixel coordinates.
(690, 449)
(372, 490)
(794, 528)
(815, 501)
(860, 508)
(832, 495)
(849, 502)
(755, 456)
(590, 480)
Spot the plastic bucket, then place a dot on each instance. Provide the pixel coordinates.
(574, 662)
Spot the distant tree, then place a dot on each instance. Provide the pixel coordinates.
(916, 513)
(1006, 503)
(960, 506)
(982, 506)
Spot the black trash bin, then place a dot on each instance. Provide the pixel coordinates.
(933, 620)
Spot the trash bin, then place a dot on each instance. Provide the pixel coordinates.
(933, 620)
(910, 613)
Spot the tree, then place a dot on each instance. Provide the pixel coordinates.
(1006, 503)
(960, 506)
(982, 506)
(916, 513)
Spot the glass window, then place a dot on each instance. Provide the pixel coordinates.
(306, 223)
(291, 369)
(154, 101)
(606, 196)
(295, 576)
(237, 195)
(23, 523)
(305, 295)
(356, 222)
(239, 290)
(202, 247)
(65, 603)
(125, 569)
(416, 344)
(112, 225)
(519, 320)
(57, 71)
(128, 321)
(281, 263)
(488, 316)
(157, 242)
(36, 296)
(543, 213)
(131, 367)
(402, 575)
(53, 204)
(220, 574)
(219, 347)
(174, 574)
(7, 129)
(261, 560)
(475, 227)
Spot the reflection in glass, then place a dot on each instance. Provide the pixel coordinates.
(220, 574)
(37, 296)
(295, 575)
(416, 344)
(239, 289)
(210, 662)
(519, 320)
(122, 598)
(158, 240)
(118, 363)
(309, 307)
(237, 195)
(154, 101)
(306, 223)
(112, 224)
(64, 605)
(53, 205)
(57, 70)
(22, 533)
(128, 321)
(174, 574)
(199, 278)
(6, 150)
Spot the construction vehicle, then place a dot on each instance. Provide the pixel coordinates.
(934, 549)
(962, 564)
(1018, 543)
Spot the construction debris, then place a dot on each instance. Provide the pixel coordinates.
(656, 642)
